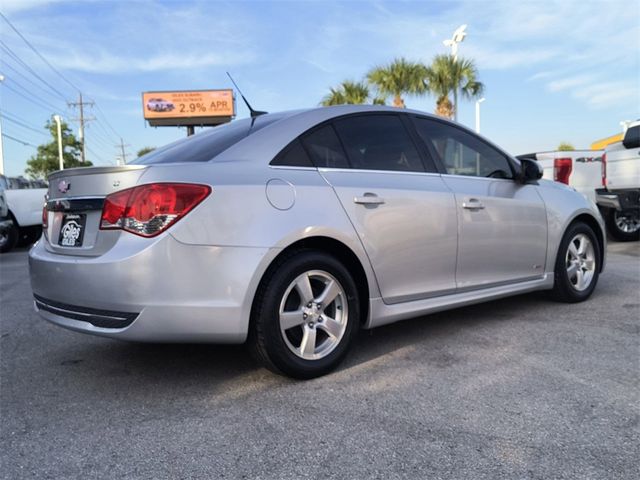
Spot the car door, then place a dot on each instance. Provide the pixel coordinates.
(502, 223)
(403, 212)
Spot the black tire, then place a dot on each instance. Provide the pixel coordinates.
(29, 235)
(564, 289)
(266, 338)
(611, 219)
(8, 238)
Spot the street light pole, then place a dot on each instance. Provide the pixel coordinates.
(478, 114)
(60, 157)
(458, 37)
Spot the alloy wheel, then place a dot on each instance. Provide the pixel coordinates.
(627, 223)
(581, 262)
(313, 314)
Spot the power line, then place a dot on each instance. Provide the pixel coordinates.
(24, 65)
(6, 114)
(17, 72)
(23, 125)
(38, 53)
(26, 144)
(30, 94)
(105, 121)
(31, 99)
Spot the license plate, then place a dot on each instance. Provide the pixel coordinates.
(72, 230)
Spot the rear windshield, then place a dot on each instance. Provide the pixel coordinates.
(206, 145)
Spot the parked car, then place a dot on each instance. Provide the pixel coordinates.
(294, 230)
(160, 105)
(619, 197)
(23, 223)
(580, 169)
(6, 224)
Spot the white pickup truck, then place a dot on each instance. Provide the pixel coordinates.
(619, 197)
(580, 169)
(21, 222)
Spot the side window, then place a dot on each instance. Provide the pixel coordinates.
(293, 155)
(378, 142)
(461, 152)
(324, 148)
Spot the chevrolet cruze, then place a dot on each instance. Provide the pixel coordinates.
(294, 230)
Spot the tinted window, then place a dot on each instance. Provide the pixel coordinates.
(206, 145)
(462, 153)
(632, 137)
(378, 142)
(293, 155)
(325, 148)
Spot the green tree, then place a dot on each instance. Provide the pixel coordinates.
(446, 76)
(145, 150)
(565, 147)
(350, 92)
(46, 160)
(400, 77)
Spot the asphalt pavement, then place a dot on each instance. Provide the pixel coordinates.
(522, 388)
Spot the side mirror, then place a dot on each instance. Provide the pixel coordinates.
(530, 170)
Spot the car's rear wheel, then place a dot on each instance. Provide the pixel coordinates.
(305, 315)
(8, 238)
(623, 226)
(577, 264)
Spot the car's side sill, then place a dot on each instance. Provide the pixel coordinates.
(382, 314)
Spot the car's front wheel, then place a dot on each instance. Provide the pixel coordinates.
(577, 264)
(306, 314)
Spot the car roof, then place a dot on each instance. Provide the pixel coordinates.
(266, 143)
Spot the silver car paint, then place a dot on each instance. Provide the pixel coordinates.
(196, 282)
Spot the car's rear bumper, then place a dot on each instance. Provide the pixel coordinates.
(621, 200)
(168, 292)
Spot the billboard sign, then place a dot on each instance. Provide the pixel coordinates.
(197, 107)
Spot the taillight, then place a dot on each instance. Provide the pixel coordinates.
(562, 170)
(45, 216)
(604, 169)
(148, 210)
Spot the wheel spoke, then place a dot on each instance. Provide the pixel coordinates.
(331, 326)
(303, 285)
(291, 319)
(579, 279)
(329, 294)
(571, 271)
(308, 344)
(583, 243)
(573, 250)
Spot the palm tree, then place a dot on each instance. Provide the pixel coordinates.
(348, 92)
(400, 77)
(447, 75)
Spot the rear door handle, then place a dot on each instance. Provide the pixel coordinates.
(472, 204)
(369, 199)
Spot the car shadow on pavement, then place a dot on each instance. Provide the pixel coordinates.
(213, 367)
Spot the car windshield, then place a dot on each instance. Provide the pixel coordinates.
(207, 145)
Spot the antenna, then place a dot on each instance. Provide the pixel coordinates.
(254, 113)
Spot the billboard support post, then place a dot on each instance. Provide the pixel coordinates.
(190, 130)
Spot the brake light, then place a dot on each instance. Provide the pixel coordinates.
(562, 170)
(45, 216)
(148, 210)
(604, 169)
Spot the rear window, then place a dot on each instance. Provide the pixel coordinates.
(206, 145)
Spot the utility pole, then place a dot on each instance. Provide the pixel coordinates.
(82, 119)
(122, 158)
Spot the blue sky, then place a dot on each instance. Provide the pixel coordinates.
(553, 70)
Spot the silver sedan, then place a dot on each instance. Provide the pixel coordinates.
(294, 230)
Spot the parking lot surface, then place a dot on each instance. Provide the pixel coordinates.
(517, 388)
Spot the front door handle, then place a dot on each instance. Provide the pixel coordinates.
(369, 199)
(473, 204)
